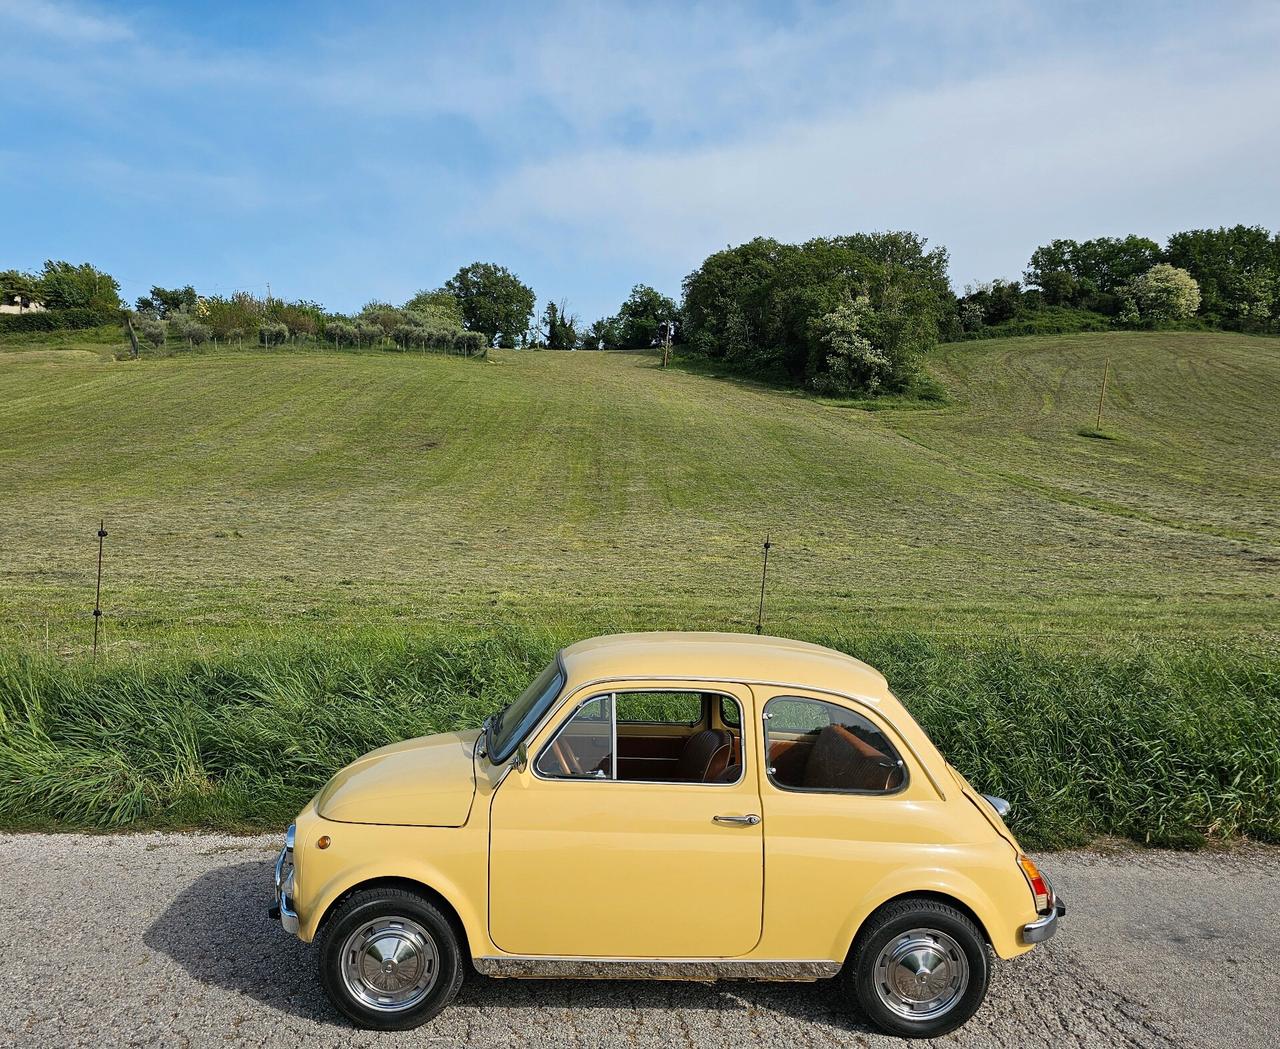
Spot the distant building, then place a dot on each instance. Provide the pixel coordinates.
(19, 304)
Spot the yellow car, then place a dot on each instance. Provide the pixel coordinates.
(687, 806)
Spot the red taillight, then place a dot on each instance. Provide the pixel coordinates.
(1039, 887)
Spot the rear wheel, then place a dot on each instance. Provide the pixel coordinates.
(389, 959)
(919, 968)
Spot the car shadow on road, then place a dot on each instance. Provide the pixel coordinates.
(217, 929)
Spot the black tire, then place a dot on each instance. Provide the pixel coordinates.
(370, 905)
(894, 921)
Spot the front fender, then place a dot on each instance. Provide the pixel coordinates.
(445, 860)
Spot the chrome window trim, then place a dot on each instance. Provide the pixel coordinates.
(613, 735)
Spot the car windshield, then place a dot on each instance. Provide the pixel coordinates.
(512, 723)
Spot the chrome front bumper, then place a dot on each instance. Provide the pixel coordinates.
(1043, 928)
(282, 909)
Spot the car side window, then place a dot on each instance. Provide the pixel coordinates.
(647, 737)
(583, 747)
(819, 746)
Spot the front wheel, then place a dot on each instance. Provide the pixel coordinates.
(919, 968)
(389, 959)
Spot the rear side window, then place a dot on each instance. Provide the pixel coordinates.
(819, 746)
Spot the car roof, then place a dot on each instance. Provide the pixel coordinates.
(732, 657)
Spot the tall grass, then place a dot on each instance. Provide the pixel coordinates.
(1162, 742)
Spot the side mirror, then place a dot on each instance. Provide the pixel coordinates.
(522, 758)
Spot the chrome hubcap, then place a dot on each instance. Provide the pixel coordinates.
(390, 964)
(921, 974)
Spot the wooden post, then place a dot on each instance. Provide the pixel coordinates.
(133, 338)
(1102, 394)
(764, 574)
(97, 595)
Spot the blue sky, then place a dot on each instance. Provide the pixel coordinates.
(346, 152)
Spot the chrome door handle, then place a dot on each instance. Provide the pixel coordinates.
(737, 821)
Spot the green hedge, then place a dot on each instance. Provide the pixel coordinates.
(72, 319)
(1052, 320)
(1164, 743)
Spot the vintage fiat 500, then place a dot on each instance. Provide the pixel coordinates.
(672, 806)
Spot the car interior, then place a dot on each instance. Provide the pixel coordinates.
(696, 737)
(815, 745)
(663, 737)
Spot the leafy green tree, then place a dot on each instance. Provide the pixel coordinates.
(1090, 274)
(383, 314)
(1238, 272)
(1166, 293)
(994, 302)
(230, 318)
(641, 316)
(369, 332)
(185, 326)
(341, 332)
(63, 285)
(756, 305)
(559, 327)
(737, 336)
(493, 301)
(438, 307)
(19, 286)
(150, 330)
(272, 333)
(851, 362)
(164, 301)
(603, 334)
(1059, 287)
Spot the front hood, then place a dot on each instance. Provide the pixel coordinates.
(424, 782)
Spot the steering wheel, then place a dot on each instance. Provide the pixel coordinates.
(569, 763)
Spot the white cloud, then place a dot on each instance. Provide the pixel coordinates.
(69, 23)
(592, 145)
(1075, 145)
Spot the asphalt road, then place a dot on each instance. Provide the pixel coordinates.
(162, 940)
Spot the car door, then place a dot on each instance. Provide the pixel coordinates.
(845, 815)
(584, 863)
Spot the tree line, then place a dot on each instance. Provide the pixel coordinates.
(1224, 278)
(840, 315)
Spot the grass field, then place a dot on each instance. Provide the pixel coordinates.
(311, 554)
(252, 494)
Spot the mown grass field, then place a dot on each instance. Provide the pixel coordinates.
(250, 494)
(311, 554)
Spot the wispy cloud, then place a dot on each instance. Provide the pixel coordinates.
(1080, 141)
(68, 23)
(593, 145)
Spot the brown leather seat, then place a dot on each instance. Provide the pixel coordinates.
(705, 756)
(842, 761)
